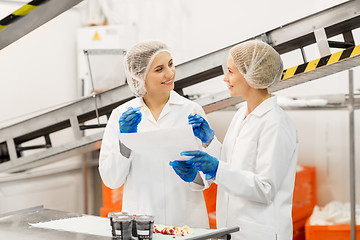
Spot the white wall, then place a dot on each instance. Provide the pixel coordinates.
(39, 70)
(60, 190)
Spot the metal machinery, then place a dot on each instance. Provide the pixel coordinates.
(314, 29)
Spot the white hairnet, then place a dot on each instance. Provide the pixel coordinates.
(258, 62)
(137, 63)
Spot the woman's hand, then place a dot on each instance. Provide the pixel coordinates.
(203, 162)
(201, 128)
(185, 170)
(129, 120)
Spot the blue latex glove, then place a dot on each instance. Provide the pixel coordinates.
(203, 162)
(129, 120)
(185, 170)
(201, 128)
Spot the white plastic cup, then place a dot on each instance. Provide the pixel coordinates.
(144, 227)
(122, 226)
(111, 215)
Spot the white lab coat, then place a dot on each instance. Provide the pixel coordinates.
(256, 174)
(151, 184)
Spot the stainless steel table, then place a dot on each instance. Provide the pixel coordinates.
(15, 225)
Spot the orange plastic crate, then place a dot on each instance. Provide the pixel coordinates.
(329, 232)
(112, 200)
(305, 194)
(210, 201)
(299, 229)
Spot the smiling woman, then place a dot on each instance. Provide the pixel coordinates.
(151, 185)
(255, 171)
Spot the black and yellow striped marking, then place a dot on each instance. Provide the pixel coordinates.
(5, 22)
(327, 60)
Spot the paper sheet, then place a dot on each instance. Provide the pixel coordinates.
(171, 141)
(84, 224)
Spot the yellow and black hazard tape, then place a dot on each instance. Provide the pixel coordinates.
(5, 22)
(327, 60)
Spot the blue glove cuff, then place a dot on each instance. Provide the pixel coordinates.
(132, 130)
(211, 136)
(211, 175)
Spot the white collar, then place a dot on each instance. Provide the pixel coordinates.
(265, 106)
